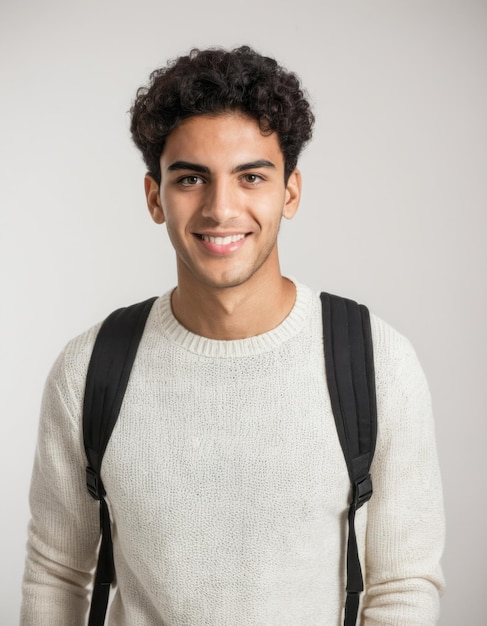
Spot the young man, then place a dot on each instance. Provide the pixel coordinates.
(227, 486)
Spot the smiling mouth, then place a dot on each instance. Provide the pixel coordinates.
(221, 241)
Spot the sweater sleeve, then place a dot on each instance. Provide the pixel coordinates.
(405, 528)
(64, 527)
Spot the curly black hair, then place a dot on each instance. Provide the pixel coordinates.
(215, 81)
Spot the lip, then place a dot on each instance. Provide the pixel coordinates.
(221, 244)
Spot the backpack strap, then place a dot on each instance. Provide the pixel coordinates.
(106, 381)
(350, 375)
(351, 384)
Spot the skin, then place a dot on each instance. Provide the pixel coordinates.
(221, 177)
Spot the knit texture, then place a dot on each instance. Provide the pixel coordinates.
(228, 488)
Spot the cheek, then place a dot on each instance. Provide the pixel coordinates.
(174, 210)
(269, 207)
(179, 221)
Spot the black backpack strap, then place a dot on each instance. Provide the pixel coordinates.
(106, 381)
(351, 383)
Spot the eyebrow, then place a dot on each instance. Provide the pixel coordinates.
(186, 165)
(202, 169)
(254, 165)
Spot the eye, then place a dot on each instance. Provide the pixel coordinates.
(251, 179)
(189, 181)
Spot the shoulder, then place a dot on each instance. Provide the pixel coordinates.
(389, 345)
(394, 354)
(400, 382)
(66, 379)
(403, 396)
(77, 353)
(68, 373)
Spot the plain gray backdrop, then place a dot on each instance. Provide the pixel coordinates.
(393, 212)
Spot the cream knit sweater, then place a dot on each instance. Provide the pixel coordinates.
(228, 488)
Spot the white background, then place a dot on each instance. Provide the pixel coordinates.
(393, 213)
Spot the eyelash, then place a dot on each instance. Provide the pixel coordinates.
(184, 180)
(257, 177)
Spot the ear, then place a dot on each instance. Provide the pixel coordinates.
(153, 199)
(293, 195)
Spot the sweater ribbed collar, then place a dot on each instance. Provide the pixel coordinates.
(289, 327)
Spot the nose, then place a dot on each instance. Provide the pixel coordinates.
(221, 202)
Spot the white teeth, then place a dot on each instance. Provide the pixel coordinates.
(222, 241)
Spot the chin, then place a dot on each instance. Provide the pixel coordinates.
(224, 280)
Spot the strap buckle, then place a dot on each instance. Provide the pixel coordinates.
(362, 491)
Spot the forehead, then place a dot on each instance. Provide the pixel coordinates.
(231, 137)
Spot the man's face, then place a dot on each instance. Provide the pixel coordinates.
(222, 197)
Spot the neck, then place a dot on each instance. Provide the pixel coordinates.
(246, 310)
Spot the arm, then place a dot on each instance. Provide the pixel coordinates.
(64, 526)
(405, 528)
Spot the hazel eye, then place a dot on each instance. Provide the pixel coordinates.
(251, 179)
(189, 181)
